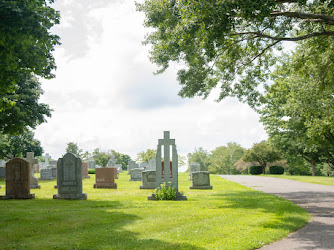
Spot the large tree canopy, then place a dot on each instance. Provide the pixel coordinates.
(26, 47)
(229, 44)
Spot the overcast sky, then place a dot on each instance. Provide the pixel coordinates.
(106, 96)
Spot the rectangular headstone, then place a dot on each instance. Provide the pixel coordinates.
(194, 167)
(105, 178)
(85, 170)
(201, 180)
(148, 179)
(17, 180)
(46, 174)
(69, 178)
(132, 165)
(136, 174)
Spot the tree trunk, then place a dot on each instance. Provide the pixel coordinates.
(313, 167)
(264, 169)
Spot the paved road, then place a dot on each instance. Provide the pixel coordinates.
(318, 200)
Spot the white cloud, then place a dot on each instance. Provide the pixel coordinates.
(106, 96)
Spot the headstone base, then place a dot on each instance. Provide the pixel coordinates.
(147, 186)
(179, 197)
(17, 197)
(35, 186)
(70, 196)
(201, 187)
(106, 185)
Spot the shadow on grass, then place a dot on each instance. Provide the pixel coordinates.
(87, 224)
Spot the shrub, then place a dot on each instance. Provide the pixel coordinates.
(276, 170)
(255, 170)
(91, 171)
(165, 192)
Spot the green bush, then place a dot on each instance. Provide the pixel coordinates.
(165, 192)
(276, 170)
(255, 170)
(91, 171)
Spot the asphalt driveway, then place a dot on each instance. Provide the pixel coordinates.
(318, 200)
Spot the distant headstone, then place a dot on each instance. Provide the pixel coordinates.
(144, 165)
(132, 165)
(46, 174)
(166, 143)
(17, 180)
(116, 174)
(136, 174)
(53, 163)
(194, 167)
(119, 168)
(152, 164)
(69, 178)
(148, 179)
(112, 162)
(201, 180)
(85, 174)
(105, 178)
(2, 163)
(32, 161)
(54, 173)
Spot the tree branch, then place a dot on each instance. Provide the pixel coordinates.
(311, 17)
(286, 1)
(292, 39)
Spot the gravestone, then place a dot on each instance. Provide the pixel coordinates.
(2, 163)
(132, 165)
(166, 143)
(46, 174)
(85, 170)
(194, 167)
(112, 162)
(91, 164)
(136, 174)
(32, 161)
(119, 168)
(148, 179)
(69, 178)
(53, 163)
(152, 164)
(201, 180)
(116, 174)
(144, 165)
(36, 168)
(17, 180)
(105, 178)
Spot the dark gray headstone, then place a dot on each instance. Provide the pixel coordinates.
(69, 178)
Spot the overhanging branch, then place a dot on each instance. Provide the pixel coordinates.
(306, 16)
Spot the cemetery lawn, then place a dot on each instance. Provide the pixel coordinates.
(230, 216)
(323, 180)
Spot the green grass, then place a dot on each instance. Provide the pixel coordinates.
(230, 216)
(323, 180)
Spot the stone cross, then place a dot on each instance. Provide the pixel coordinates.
(166, 142)
(46, 158)
(32, 161)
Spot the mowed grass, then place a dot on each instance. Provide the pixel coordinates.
(323, 180)
(230, 216)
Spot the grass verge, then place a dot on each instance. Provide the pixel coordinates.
(230, 216)
(323, 180)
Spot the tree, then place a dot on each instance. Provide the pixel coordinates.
(74, 149)
(200, 156)
(298, 108)
(19, 145)
(121, 158)
(262, 153)
(230, 43)
(26, 44)
(145, 156)
(223, 158)
(26, 109)
(101, 158)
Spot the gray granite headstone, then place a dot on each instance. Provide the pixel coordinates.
(167, 143)
(201, 180)
(91, 164)
(152, 164)
(194, 167)
(132, 165)
(46, 174)
(148, 179)
(136, 174)
(144, 165)
(69, 178)
(32, 161)
(2, 163)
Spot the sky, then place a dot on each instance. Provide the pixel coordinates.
(106, 96)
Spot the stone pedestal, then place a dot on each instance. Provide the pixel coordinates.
(105, 178)
(148, 180)
(201, 180)
(69, 178)
(17, 180)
